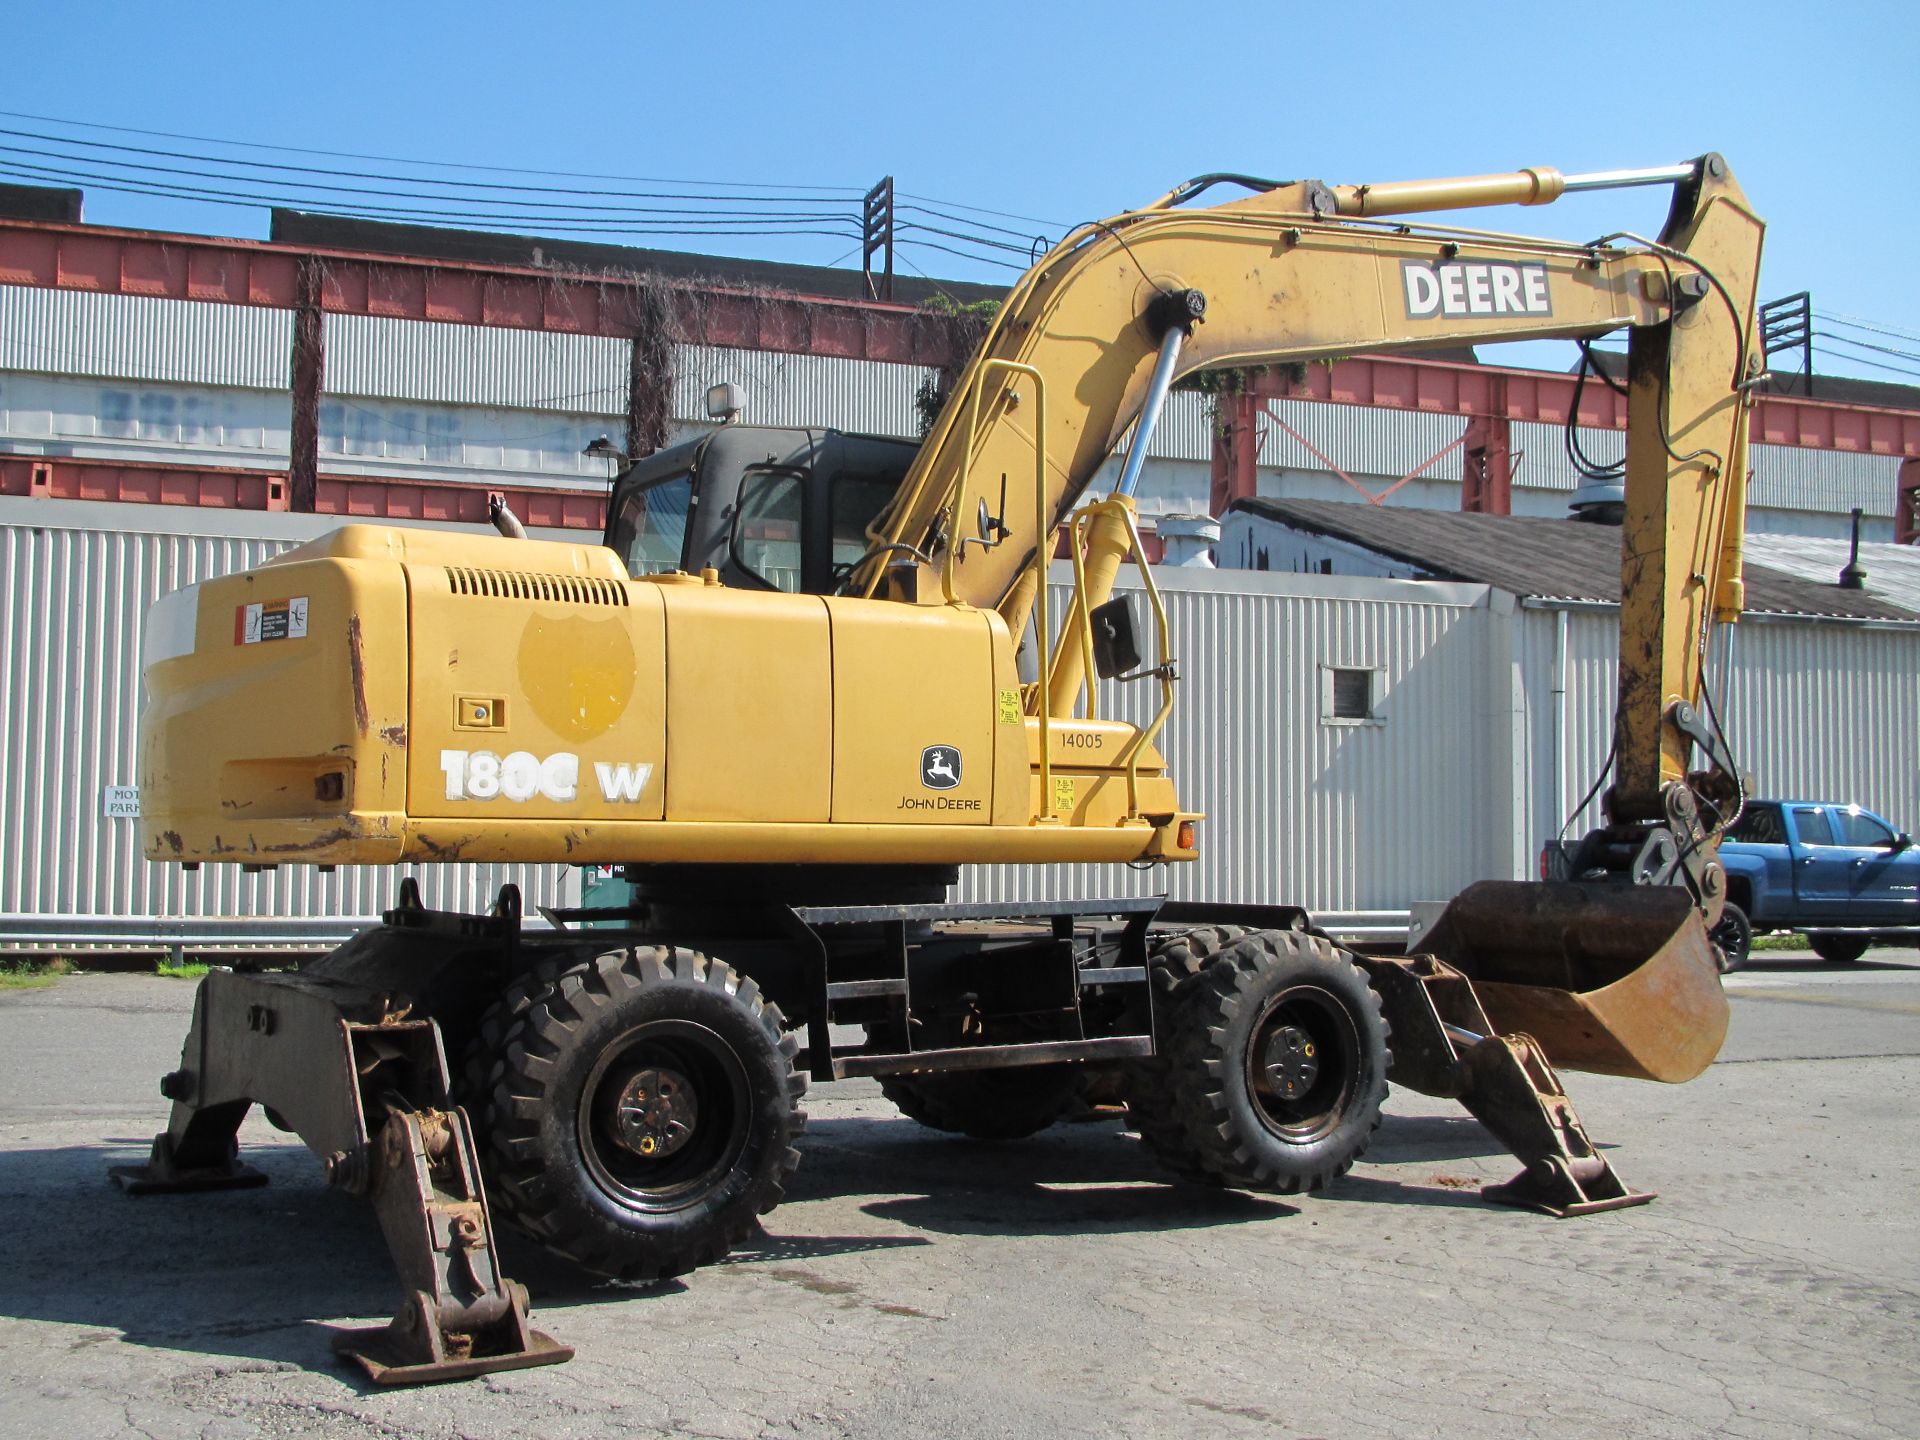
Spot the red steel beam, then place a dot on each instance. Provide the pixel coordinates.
(1447, 388)
(108, 261)
(359, 497)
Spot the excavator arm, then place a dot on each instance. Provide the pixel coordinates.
(1089, 341)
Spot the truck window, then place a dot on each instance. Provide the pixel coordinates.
(1857, 829)
(650, 532)
(766, 533)
(1813, 827)
(1759, 826)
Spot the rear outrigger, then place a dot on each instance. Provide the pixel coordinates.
(809, 675)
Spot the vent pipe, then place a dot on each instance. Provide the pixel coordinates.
(1853, 577)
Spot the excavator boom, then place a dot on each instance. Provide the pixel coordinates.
(1088, 342)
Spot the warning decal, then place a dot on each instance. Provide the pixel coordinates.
(270, 620)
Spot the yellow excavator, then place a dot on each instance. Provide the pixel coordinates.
(809, 674)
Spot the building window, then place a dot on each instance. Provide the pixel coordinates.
(1348, 695)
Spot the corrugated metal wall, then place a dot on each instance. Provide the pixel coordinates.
(1813, 710)
(1784, 476)
(1344, 818)
(446, 364)
(131, 337)
(78, 579)
(1470, 766)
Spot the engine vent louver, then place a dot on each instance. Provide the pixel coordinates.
(521, 585)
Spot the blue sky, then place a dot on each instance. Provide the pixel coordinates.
(1055, 112)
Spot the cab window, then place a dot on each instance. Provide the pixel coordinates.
(650, 531)
(766, 529)
(853, 501)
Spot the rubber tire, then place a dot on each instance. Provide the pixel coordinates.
(1732, 938)
(479, 1069)
(1007, 1104)
(1205, 1111)
(1835, 948)
(565, 1023)
(1174, 963)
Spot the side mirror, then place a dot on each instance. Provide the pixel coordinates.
(1901, 841)
(1115, 651)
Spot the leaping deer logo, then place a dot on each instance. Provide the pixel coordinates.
(940, 767)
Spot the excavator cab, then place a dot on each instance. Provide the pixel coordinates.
(769, 508)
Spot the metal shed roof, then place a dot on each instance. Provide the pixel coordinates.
(1893, 571)
(1550, 559)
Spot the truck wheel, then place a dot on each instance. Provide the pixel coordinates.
(643, 1114)
(1732, 938)
(1008, 1104)
(1276, 1065)
(1837, 948)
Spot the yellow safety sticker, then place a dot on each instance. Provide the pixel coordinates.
(1010, 707)
(1063, 792)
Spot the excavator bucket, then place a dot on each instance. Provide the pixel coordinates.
(1615, 979)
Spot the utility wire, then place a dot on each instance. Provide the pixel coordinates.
(954, 204)
(1852, 323)
(731, 225)
(977, 225)
(310, 185)
(849, 190)
(211, 179)
(1877, 364)
(233, 161)
(1867, 345)
(961, 235)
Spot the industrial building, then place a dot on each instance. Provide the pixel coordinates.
(174, 407)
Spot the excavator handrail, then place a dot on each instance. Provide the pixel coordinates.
(956, 505)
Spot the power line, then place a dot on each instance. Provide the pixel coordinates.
(743, 225)
(949, 250)
(1022, 250)
(210, 179)
(1866, 345)
(403, 160)
(955, 204)
(534, 207)
(364, 175)
(958, 220)
(1863, 360)
(1896, 369)
(1853, 324)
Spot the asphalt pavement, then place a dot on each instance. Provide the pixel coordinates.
(919, 1285)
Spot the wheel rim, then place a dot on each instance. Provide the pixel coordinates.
(1726, 935)
(1300, 1063)
(663, 1115)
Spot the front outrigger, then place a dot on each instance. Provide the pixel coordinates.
(876, 616)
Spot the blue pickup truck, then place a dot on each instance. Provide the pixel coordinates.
(1839, 874)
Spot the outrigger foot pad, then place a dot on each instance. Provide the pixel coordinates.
(1553, 1186)
(163, 1175)
(412, 1348)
